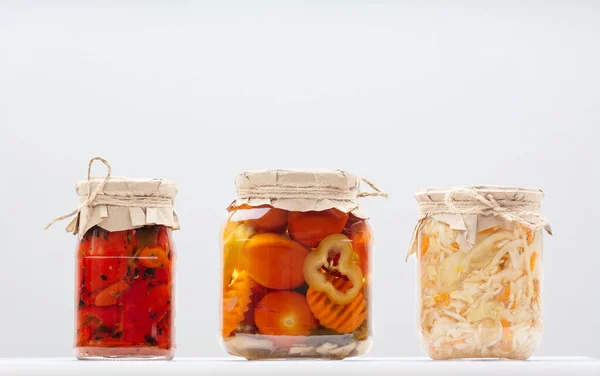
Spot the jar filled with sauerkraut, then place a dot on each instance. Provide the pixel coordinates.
(479, 256)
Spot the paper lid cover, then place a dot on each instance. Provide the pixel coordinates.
(463, 193)
(303, 190)
(121, 203)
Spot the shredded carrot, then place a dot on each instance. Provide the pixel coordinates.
(424, 244)
(536, 290)
(507, 336)
(505, 295)
(489, 231)
(443, 298)
(455, 245)
(533, 260)
(529, 233)
(453, 342)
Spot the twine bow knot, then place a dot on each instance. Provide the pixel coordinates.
(377, 191)
(515, 211)
(91, 195)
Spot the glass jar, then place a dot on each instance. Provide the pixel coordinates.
(295, 283)
(124, 294)
(479, 272)
(124, 267)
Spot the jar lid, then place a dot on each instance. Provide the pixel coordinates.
(302, 190)
(475, 208)
(127, 187)
(121, 203)
(464, 193)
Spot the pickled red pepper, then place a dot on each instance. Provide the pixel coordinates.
(124, 292)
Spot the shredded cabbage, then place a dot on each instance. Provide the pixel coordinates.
(483, 302)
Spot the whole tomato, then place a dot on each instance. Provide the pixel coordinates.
(284, 313)
(262, 218)
(274, 261)
(310, 227)
(359, 233)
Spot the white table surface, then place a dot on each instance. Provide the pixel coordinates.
(546, 366)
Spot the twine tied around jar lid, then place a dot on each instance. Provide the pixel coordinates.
(509, 203)
(303, 190)
(511, 210)
(377, 192)
(91, 196)
(117, 204)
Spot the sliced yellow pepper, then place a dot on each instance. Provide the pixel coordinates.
(319, 258)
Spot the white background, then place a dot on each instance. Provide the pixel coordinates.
(406, 94)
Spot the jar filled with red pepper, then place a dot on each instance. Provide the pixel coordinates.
(124, 268)
(296, 276)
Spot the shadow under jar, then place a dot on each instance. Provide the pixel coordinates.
(479, 272)
(295, 283)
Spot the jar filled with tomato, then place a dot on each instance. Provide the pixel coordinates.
(296, 276)
(124, 268)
